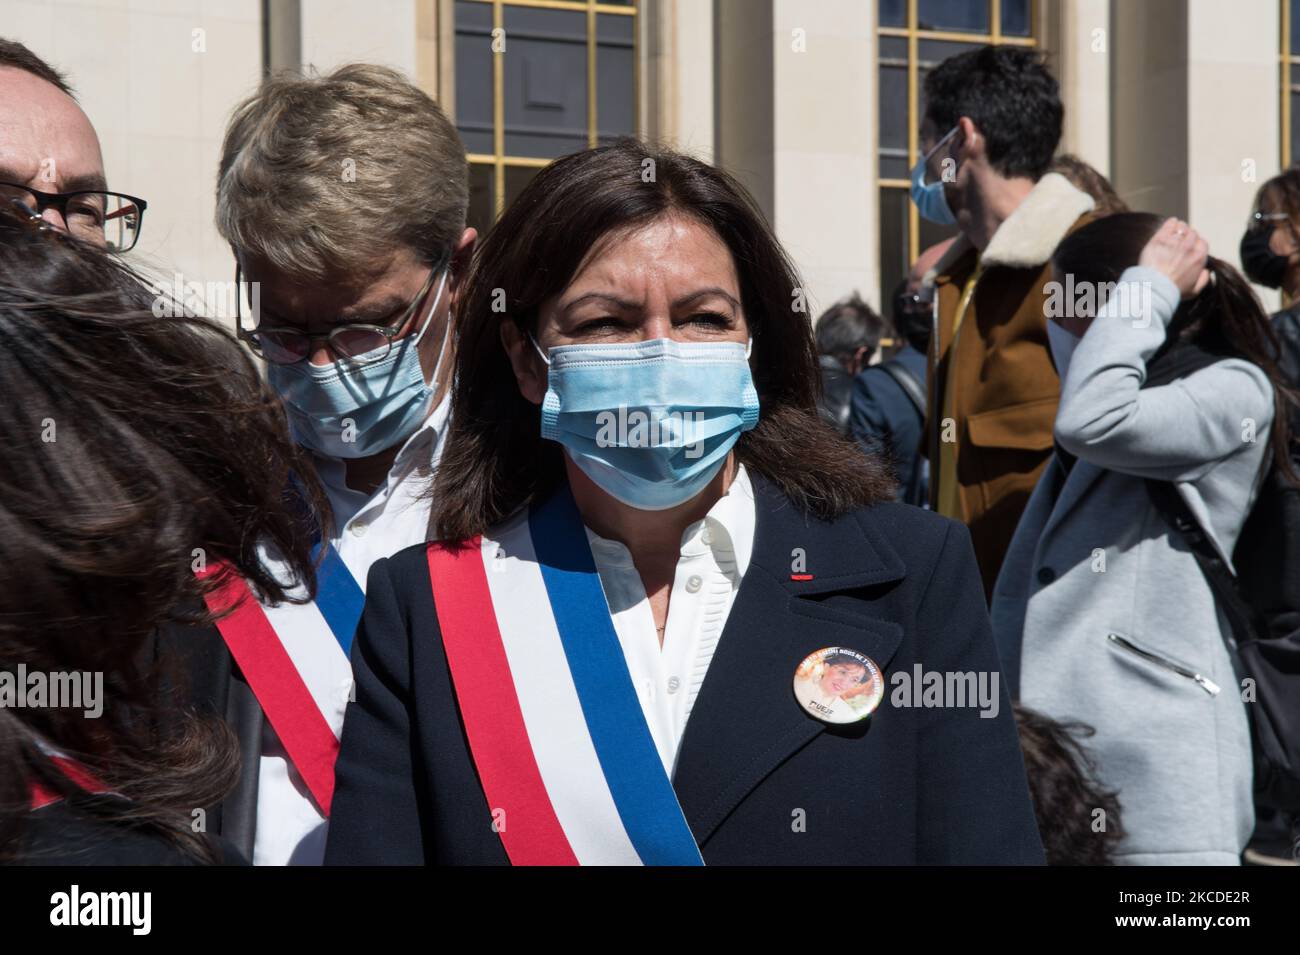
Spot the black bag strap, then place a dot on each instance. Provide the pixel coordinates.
(1223, 583)
(1177, 359)
(911, 385)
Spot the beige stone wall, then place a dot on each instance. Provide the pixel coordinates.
(796, 124)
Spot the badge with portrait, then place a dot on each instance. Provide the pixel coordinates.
(838, 685)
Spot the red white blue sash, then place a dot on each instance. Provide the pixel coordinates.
(291, 656)
(561, 746)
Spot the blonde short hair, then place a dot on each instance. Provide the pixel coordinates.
(322, 175)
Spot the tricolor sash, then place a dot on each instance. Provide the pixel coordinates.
(567, 763)
(42, 795)
(289, 654)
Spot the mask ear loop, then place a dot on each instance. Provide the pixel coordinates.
(538, 348)
(446, 332)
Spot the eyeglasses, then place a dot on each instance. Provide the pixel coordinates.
(285, 345)
(1260, 219)
(110, 219)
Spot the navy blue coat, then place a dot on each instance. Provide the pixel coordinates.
(907, 785)
(884, 421)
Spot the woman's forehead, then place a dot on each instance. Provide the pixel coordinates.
(672, 248)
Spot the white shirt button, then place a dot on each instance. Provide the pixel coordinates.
(359, 528)
(693, 583)
(674, 684)
(707, 536)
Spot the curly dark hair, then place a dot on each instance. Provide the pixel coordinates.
(1009, 94)
(133, 445)
(1065, 792)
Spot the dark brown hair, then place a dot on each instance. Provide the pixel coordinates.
(1085, 177)
(14, 54)
(1065, 792)
(129, 442)
(496, 461)
(1225, 318)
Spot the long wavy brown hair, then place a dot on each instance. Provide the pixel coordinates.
(495, 460)
(132, 446)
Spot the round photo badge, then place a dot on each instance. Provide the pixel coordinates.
(838, 685)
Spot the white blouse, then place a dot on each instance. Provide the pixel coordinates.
(714, 557)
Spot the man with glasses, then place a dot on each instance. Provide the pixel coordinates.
(343, 197)
(51, 166)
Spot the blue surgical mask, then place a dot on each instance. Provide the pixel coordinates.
(357, 407)
(651, 422)
(930, 201)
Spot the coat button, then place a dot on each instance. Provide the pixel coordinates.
(1046, 575)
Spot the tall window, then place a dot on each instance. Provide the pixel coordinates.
(535, 80)
(1290, 75)
(914, 36)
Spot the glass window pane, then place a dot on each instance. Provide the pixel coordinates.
(970, 16)
(893, 48)
(893, 240)
(931, 53)
(893, 116)
(1295, 128)
(516, 178)
(1015, 17)
(474, 75)
(545, 82)
(615, 76)
(1295, 27)
(893, 164)
(893, 13)
(482, 204)
(931, 233)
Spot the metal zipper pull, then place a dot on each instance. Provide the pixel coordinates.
(1204, 682)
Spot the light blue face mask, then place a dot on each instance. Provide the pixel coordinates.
(930, 201)
(650, 422)
(358, 407)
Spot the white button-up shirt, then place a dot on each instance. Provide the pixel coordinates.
(714, 557)
(366, 527)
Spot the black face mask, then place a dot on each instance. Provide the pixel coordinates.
(1261, 264)
(914, 322)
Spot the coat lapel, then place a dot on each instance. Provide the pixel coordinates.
(746, 721)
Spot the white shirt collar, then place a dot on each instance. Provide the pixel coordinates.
(423, 448)
(729, 525)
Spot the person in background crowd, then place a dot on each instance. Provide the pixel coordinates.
(887, 409)
(1270, 256)
(991, 126)
(131, 445)
(1067, 797)
(50, 159)
(1106, 200)
(674, 735)
(847, 335)
(343, 197)
(1102, 614)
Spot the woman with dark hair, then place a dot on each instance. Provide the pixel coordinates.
(645, 529)
(1270, 256)
(1101, 612)
(144, 463)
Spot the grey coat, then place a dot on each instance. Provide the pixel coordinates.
(1101, 616)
